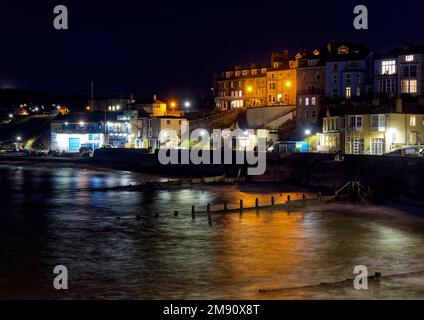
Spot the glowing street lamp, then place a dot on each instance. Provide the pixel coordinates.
(307, 132)
(187, 104)
(250, 89)
(173, 104)
(10, 115)
(288, 85)
(18, 138)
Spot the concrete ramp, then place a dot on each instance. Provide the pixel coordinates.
(272, 117)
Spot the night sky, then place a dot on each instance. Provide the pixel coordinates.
(173, 47)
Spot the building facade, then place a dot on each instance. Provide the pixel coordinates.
(257, 85)
(381, 129)
(159, 132)
(93, 130)
(310, 90)
(349, 71)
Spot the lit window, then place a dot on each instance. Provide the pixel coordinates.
(300, 101)
(348, 92)
(409, 86)
(314, 101)
(378, 122)
(358, 91)
(306, 101)
(388, 67)
(409, 58)
(412, 121)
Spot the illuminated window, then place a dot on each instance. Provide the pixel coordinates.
(409, 58)
(378, 122)
(409, 86)
(412, 121)
(314, 101)
(388, 67)
(348, 92)
(306, 101)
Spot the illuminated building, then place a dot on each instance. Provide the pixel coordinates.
(158, 132)
(374, 129)
(93, 130)
(400, 71)
(257, 85)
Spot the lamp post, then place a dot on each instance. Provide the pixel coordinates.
(288, 85)
(307, 134)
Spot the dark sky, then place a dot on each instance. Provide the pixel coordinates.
(173, 47)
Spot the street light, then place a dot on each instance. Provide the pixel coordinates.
(10, 115)
(249, 89)
(307, 132)
(18, 138)
(288, 85)
(187, 104)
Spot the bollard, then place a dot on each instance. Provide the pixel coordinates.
(241, 205)
(257, 203)
(208, 208)
(176, 213)
(193, 212)
(225, 206)
(288, 198)
(272, 201)
(156, 214)
(303, 197)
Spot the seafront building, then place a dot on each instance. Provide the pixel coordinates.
(342, 98)
(94, 130)
(254, 86)
(373, 129)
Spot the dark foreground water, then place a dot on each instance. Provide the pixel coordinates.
(45, 221)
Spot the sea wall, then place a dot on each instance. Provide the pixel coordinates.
(387, 176)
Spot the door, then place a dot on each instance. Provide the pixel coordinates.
(377, 146)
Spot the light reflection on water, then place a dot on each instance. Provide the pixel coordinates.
(45, 222)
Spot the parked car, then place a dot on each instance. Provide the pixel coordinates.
(85, 151)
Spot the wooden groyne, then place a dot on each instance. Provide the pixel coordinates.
(284, 205)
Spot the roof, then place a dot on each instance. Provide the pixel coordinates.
(88, 117)
(407, 108)
(355, 51)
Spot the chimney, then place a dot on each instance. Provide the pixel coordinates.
(398, 103)
(274, 55)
